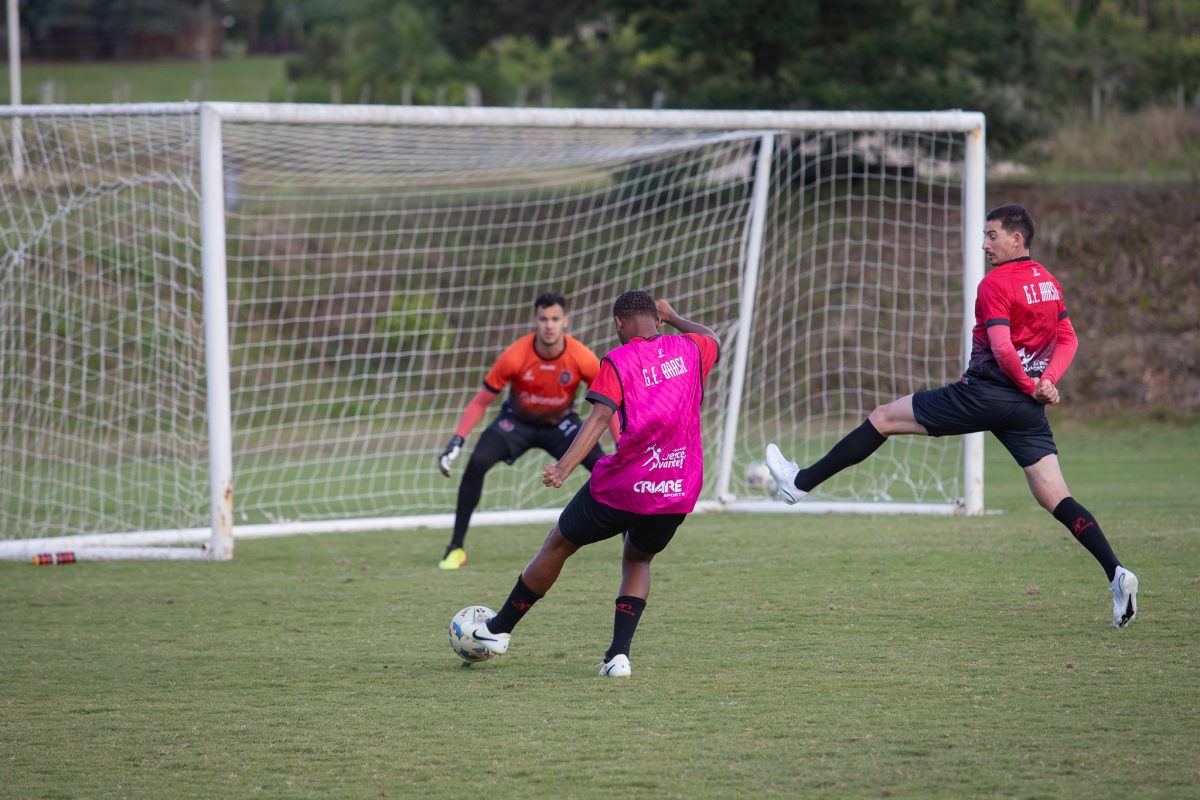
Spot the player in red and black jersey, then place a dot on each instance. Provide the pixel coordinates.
(544, 369)
(1022, 343)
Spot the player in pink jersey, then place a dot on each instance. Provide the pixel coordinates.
(654, 384)
(1022, 343)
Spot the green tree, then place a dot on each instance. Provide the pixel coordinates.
(514, 70)
(469, 26)
(395, 50)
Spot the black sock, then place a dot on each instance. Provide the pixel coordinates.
(520, 600)
(853, 448)
(1083, 526)
(626, 615)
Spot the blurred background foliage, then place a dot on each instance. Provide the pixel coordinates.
(1029, 65)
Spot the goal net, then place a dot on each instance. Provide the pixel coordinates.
(296, 303)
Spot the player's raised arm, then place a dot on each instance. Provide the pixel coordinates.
(670, 316)
(593, 427)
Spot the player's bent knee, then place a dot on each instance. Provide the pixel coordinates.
(633, 554)
(896, 418)
(560, 544)
(883, 420)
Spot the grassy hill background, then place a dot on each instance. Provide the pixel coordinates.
(1128, 256)
(250, 79)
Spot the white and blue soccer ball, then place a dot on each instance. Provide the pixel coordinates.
(461, 641)
(758, 477)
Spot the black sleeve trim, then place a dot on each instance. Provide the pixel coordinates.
(1063, 315)
(603, 399)
(997, 321)
(490, 389)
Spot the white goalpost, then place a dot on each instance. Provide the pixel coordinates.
(227, 320)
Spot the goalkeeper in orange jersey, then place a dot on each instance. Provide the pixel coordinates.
(545, 369)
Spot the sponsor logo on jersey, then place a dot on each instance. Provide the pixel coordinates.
(1032, 365)
(657, 460)
(672, 488)
(530, 399)
(655, 453)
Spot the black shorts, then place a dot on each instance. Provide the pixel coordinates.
(586, 520)
(1016, 419)
(520, 435)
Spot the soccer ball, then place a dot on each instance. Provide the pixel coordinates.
(462, 642)
(759, 477)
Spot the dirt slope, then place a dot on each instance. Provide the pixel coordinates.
(1129, 261)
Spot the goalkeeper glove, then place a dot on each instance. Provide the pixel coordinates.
(453, 447)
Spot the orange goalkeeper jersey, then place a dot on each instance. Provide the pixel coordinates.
(543, 390)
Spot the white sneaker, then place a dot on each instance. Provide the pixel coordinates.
(1124, 589)
(494, 643)
(617, 667)
(784, 473)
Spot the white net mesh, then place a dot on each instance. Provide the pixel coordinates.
(371, 288)
(861, 303)
(101, 334)
(375, 272)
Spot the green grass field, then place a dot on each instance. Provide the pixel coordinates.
(779, 656)
(251, 79)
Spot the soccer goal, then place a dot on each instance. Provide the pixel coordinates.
(230, 320)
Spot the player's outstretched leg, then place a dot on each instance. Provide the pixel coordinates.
(542, 571)
(494, 643)
(784, 473)
(496, 633)
(794, 483)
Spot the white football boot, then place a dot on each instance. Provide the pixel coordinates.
(494, 643)
(617, 667)
(784, 473)
(1124, 589)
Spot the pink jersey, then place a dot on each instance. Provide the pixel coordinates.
(658, 466)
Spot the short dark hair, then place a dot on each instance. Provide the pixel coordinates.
(547, 299)
(634, 304)
(1015, 219)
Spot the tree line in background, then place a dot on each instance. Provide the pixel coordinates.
(1025, 63)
